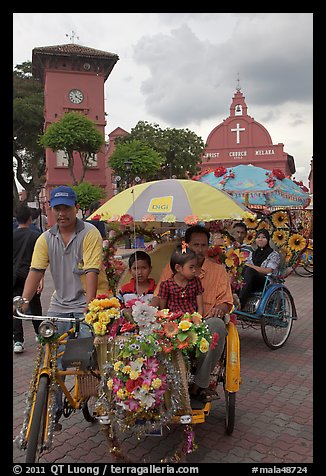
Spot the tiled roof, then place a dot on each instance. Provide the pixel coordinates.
(72, 48)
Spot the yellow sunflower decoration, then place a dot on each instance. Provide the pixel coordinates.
(296, 242)
(251, 222)
(250, 238)
(280, 219)
(280, 237)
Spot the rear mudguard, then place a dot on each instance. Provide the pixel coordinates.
(232, 370)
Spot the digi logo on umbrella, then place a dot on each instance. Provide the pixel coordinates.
(161, 205)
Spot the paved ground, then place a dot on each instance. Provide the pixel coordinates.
(273, 408)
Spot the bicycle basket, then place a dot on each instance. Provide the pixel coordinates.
(88, 385)
(80, 353)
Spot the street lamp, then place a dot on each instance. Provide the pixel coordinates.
(128, 166)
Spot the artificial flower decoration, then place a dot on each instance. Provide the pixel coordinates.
(250, 238)
(170, 218)
(138, 385)
(97, 217)
(278, 174)
(270, 179)
(280, 237)
(264, 224)
(148, 217)
(280, 219)
(113, 267)
(113, 218)
(219, 171)
(251, 222)
(191, 220)
(102, 311)
(126, 219)
(186, 332)
(297, 242)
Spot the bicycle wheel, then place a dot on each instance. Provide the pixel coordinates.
(309, 261)
(229, 411)
(88, 409)
(303, 271)
(276, 322)
(36, 435)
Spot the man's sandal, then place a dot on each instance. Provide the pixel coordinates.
(205, 395)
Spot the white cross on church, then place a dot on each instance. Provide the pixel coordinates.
(238, 129)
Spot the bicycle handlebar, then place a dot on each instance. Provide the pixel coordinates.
(18, 301)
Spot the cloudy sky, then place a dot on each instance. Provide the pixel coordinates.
(180, 69)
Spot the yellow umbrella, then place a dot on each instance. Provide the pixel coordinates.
(170, 201)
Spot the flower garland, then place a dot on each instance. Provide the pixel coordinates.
(141, 367)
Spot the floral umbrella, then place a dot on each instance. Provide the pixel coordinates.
(170, 201)
(262, 188)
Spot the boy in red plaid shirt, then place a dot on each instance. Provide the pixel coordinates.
(183, 292)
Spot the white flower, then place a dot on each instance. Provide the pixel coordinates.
(146, 399)
(143, 314)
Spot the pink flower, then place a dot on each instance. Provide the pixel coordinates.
(117, 384)
(151, 364)
(132, 404)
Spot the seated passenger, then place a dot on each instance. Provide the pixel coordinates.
(262, 261)
(183, 291)
(239, 232)
(140, 287)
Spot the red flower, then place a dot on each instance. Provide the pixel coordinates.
(278, 174)
(215, 338)
(102, 296)
(126, 219)
(127, 327)
(219, 171)
(132, 384)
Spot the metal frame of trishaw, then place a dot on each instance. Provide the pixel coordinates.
(37, 432)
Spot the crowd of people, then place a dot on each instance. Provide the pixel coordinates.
(190, 281)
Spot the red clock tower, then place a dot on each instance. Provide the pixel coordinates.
(73, 77)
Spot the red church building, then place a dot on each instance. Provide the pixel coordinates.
(239, 139)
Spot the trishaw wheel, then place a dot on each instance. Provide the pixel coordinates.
(88, 409)
(276, 322)
(229, 411)
(38, 424)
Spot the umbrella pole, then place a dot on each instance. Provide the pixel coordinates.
(246, 200)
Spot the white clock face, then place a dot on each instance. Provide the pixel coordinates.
(76, 96)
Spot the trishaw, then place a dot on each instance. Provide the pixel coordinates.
(164, 201)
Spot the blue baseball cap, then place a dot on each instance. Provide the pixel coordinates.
(63, 196)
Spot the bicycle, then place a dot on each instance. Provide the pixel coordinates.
(38, 427)
(272, 310)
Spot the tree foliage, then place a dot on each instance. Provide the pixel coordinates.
(28, 120)
(78, 136)
(145, 161)
(88, 193)
(180, 149)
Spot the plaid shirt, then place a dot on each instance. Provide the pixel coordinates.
(215, 281)
(179, 298)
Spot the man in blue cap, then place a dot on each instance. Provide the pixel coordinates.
(73, 249)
